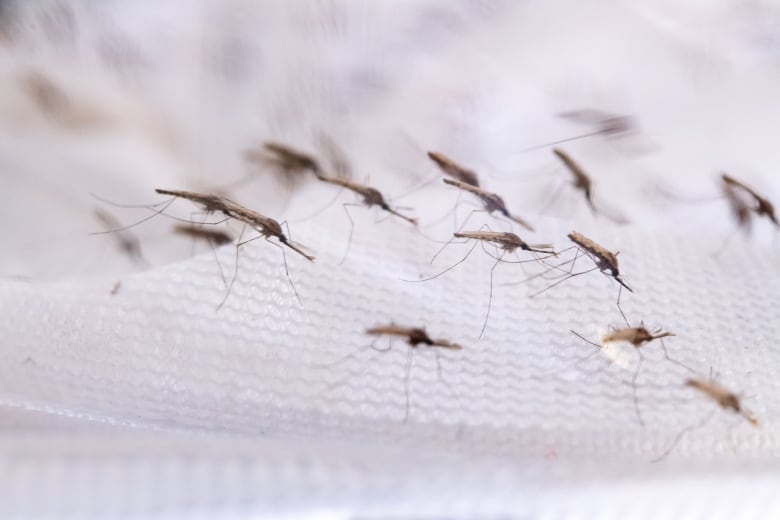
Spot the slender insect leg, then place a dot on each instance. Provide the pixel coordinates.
(555, 194)
(682, 434)
(633, 386)
(439, 220)
(326, 206)
(562, 280)
(440, 375)
(722, 248)
(620, 291)
(490, 296)
(450, 268)
(154, 214)
(351, 228)
(552, 267)
(668, 358)
(453, 241)
(286, 270)
(582, 358)
(235, 269)
(407, 371)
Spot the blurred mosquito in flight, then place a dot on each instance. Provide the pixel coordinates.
(583, 183)
(601, 124)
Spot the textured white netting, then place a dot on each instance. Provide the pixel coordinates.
(126, 391)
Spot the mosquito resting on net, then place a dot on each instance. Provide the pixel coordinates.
(602, 123)
(266, 227)
(128, 242)
(725, 398)
(506, 242)
(415, 337)
(371, 197)
(637, 337)
(491, 201)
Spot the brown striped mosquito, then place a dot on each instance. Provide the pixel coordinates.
(505, 243)
(415, 337)
(719, 394)
(371, 197)
(605, 261)
(636, 337)
(266, 227)
(492, 202)
(127, 241)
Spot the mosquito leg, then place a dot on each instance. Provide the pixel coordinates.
(346, 205)
(450, 268)
(620, 291)
(286, 270)
(682, 434)
(407, 374)
(555, 194)
(235, 270)
(668, 358)
(490, 296)
(537, 293)
(633, 386)
(440, 375)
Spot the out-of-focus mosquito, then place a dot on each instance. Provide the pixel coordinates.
(745, 201)
(504, 242)
(601, 124)
(725, 398)
(415, 337)
(582, 182)
(454, 170)
(127, 241)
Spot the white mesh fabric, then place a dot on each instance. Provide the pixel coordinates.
(268, 405)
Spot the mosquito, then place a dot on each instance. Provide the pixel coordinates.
(371, 197)
(725, 398)
(215, 237)
(605, 260)
(602, 123)
(637, 337)
(415, 336)
(454, 170)
(492, 201)
(732, 188)
(267, 227)
(128, 242)
(505, 241)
